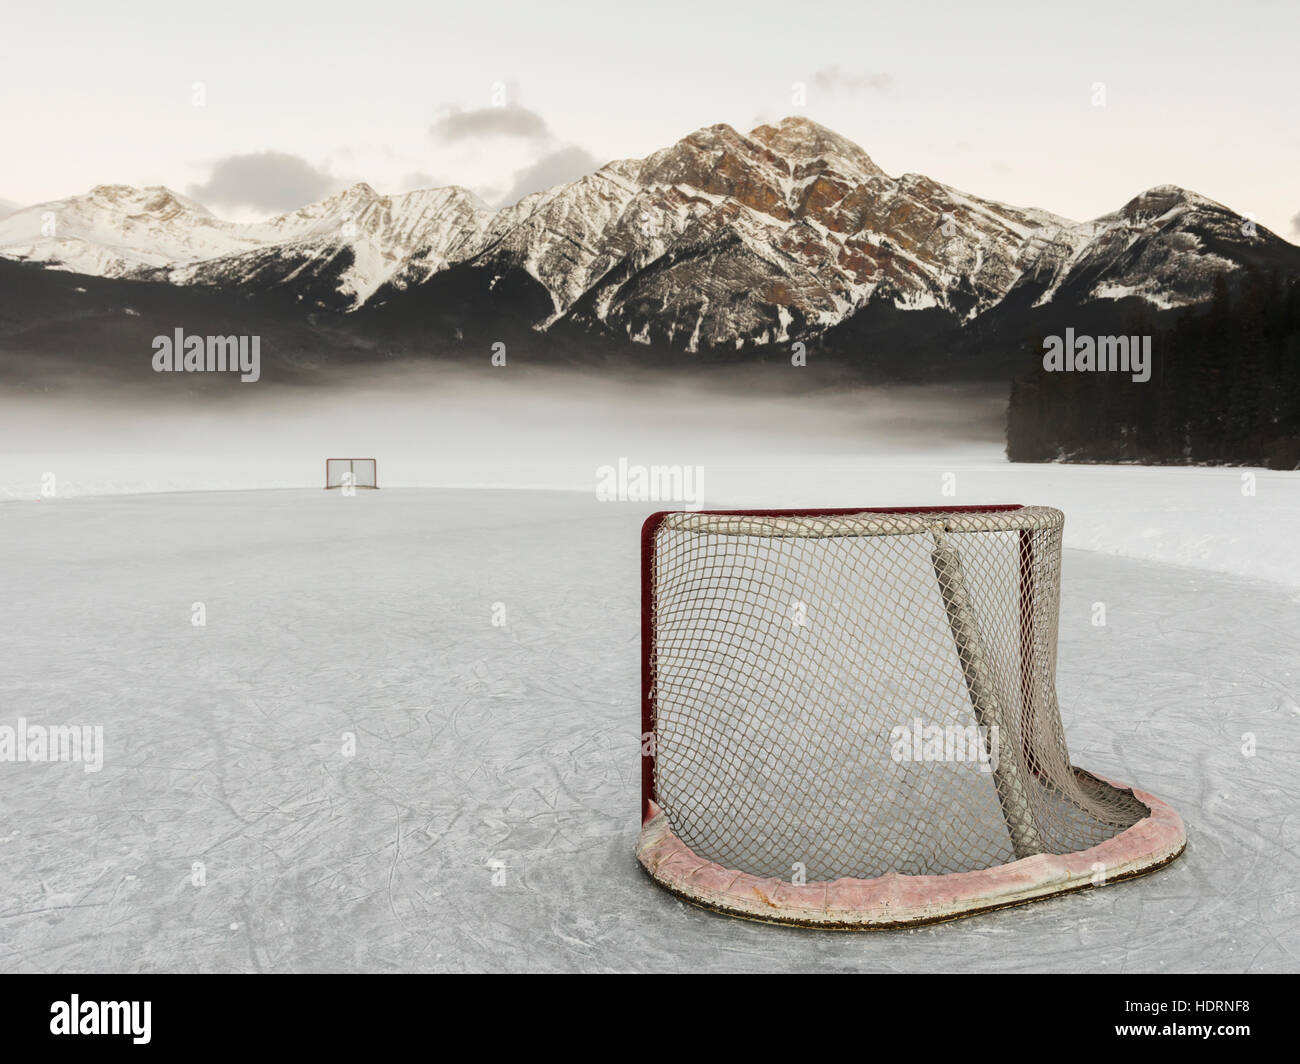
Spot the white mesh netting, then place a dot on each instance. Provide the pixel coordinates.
(865, 694)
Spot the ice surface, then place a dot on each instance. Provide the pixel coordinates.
(476, 744)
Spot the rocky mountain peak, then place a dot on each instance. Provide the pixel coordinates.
(1162, 199)
(721, 162)
(112, 193)
(802, 140)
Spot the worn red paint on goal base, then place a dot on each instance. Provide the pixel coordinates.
(793, 661)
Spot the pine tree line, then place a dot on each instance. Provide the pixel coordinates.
(1224, 390)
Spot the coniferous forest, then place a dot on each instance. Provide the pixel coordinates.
(1224, 389)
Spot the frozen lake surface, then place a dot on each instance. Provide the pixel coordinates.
(228, 830)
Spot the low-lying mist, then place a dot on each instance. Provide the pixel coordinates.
(437, 424)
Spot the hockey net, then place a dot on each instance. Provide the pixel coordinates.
(851, 719)
(351, 472)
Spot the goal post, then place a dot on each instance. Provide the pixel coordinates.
(849, 719)
(975, 667)
(351, 472)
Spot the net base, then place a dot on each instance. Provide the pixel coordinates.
(896, 901)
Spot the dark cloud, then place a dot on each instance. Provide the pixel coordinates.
(269, 180)
(511, 121)
(557, 168)
(831, 78)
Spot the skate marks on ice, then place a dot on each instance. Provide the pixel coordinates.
(350, 766)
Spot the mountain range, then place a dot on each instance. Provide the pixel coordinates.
(721, 243)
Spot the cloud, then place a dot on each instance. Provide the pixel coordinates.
(268, 180)
(418, 179)
(557, 168)
(513, 149)
(7, 208)
(511, 121)
(832, 78)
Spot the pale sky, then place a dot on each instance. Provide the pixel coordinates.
(996, 99)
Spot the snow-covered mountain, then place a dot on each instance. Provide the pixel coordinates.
(117, 230)
(154, 234)
(1165, 246)
(722, 239)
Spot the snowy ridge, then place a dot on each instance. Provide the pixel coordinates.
(115, 230)
(152, 233)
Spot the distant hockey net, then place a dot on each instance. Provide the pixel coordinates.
(850, 719)
(351, 472)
